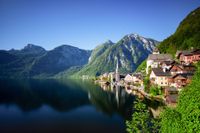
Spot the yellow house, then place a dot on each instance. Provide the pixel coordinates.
(159, 77)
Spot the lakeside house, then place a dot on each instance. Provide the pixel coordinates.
(188, 56)
(181, 68)
(112, 76)
(166, 65)
(128, 78)
(159, 77)
(177, 76)
(155, 60)
(165, 72)
(136, 78)
(180, 80)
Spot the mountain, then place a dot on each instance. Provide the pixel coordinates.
(99, 50)
(29, 49)
(65, 60)
(35, 61)
(60, 59)
(6, 57)
(19, 62)
(130, 51)
(186, 36)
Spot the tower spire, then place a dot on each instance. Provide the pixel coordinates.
(117, 77)
(117, 67)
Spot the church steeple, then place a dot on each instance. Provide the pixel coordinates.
(117, 76)
(117, 67)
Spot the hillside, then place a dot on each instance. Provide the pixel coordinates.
(131, 50)
(59, 59)
(35, 61)
(186, 36)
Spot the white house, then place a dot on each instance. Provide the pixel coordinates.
(154, 60)
(128, 78)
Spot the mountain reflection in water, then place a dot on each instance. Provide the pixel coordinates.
(62, 106)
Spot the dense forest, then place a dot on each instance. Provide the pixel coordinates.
(186, 36)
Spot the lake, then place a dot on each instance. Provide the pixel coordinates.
(62, 106)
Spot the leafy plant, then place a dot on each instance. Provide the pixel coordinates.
(141, 120)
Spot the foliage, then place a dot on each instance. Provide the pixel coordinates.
(67, 73)
(142, 67)
(186, 36)
(146, 83)
(155, 90)
(170, 121)
(141, 120)
(186, 117)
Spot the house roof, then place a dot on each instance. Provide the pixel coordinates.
(160, 72)
(184, 52)
(155, 49)
(172, 98)
(128, 75)
(168, 62)
(187, 52)
(160, 57)
(182, 67)
(171, 89)
(183, 75)
(196, 51)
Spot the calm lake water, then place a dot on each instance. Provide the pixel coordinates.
(67, 106)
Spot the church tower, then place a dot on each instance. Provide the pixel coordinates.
(117, 76)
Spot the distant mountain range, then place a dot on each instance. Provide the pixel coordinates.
(64, 61)
(35, 62)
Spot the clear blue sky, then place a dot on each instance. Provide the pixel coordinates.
(87, 23)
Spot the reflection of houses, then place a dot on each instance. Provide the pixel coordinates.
(159, 77)
(154, 60)
(188, 56)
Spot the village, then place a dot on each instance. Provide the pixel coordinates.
(162, 79)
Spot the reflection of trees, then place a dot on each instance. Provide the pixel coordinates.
(64, 95)
(32, 94)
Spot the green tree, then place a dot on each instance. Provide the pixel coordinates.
(155, 90)
(141, 120)
(186, 116)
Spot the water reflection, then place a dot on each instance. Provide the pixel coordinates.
(62, 106)
(65, 95)
(121, 94)
(32, 94)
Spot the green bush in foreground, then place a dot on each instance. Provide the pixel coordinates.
(141, 120)
(186, 116)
